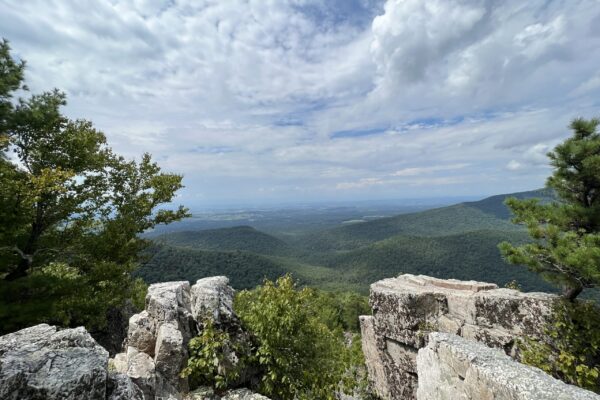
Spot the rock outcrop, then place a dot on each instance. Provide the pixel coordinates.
(158, 337)
(407, 308)
(43, 362)
(451, 368)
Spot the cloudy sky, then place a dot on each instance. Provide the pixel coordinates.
(265, 101)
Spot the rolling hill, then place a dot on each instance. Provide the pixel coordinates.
(241, 238)
(472, 255)
(458, 241)
(245, 270)
(486, 214)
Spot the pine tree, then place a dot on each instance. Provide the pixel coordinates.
(566, 233)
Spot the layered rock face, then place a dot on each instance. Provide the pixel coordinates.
(407, 308)
(451, 368)
(158, 337)
(42, 362)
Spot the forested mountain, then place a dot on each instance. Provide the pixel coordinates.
(245, 270)
(467, 256)
(242, 238)
(494, 205)
(458, 241)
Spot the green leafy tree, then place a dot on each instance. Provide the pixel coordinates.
(211, 362)
(11, 80)
(566, 233)
(300, 356)
(71, 212)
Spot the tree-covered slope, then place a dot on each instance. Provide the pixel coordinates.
(451, 220)
(169, 263)
(242, 238)
(458, 241)
(468, 256)
(486, 214)
(495, 206)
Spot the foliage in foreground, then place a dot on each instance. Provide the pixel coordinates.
(571, 349)
(71, 211)
(300, 356)
(299, 350)
(209, 363)
(566, 233)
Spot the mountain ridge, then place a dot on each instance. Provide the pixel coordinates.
(457, 241)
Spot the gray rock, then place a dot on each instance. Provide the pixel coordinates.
(119, 363)
(142, 371)
(142, 332)
(42, 362)
(202, 393)
(120, 387)
(451, 367)
(374, 357)
(213, 298)
(171, 302)
(243, 394)
(170, 354)
(407, 308)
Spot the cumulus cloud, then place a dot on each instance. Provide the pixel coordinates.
(247, 98)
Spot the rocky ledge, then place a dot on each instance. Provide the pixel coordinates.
(408, 308)
(44, 362)
(450, 367)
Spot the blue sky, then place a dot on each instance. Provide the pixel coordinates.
(302, 100)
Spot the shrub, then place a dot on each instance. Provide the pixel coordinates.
(301, 358)
(210, 362)
(571, 350)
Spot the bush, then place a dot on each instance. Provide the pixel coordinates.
(301, 358)
(340, 310)
(210, 362)
(571, 351)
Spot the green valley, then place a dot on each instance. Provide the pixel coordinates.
(458, 241)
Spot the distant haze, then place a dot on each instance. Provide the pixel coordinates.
(279, 102)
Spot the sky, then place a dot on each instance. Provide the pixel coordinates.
(282, 101)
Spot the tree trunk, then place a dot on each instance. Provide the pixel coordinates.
(26, 261)
(571, 292)
(21, 270)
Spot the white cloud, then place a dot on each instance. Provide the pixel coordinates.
(514, 165)
(242, 95)
(416, 171)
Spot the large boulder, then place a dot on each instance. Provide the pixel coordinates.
(158, 340)
(142, 332)
(170, 355)
(407, 308)
(158, 337)
(212, 298)
(171, 302)
(142, 371)
(451, 367)
(43, 362)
